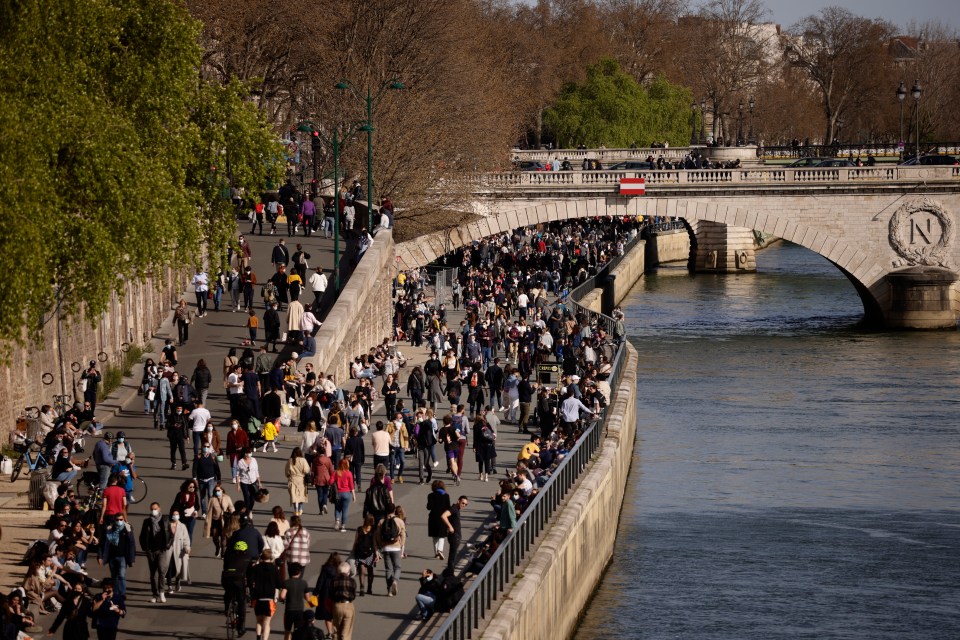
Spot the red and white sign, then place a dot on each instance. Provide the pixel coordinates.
(631, 187)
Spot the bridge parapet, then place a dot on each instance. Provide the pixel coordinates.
(511, 182)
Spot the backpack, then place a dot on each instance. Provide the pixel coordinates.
(365, 545)
(474, 379)
(390, 531)
(378, 499)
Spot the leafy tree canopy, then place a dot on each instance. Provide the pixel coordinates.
(107, 142)
(612, 109)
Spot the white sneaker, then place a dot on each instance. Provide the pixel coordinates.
(163, 598)
(153, 599)
(435, 463)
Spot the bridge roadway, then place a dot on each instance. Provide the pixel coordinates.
(195, 613)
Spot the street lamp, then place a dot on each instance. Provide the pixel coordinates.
(392, 84)
(703, 121)
(916, 91)
(901, 96)
(751, 103)
(839, 132)
(740, 124)
(693, 116)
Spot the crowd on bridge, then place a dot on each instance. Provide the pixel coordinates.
(479, 375)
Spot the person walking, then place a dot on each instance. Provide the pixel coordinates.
(206, 474)
(364, 552)
(294, 596)
(155, 537)
(346, 491)
(296, 471)
(107, 610)
(484, 446)
(438, 503)
(451, 520)
(322, 470)
(355, 451)
(343, 592)
(248, 479)
(177, 555)
(391, 539)
(183, 317)
(118, 550)
(201, 285)
(296, 543)
(263, 580)
(220, 508)
(199, 417)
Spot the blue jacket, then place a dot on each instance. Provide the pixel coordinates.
(102, 454)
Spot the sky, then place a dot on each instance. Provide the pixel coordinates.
(899, 12)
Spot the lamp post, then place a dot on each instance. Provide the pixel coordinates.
(901, 96)
(740, 124)
(393, 84)
(315, 134)
(750, 137)
(916, 91)
(693, 116)
(839, 132)
(703, 121)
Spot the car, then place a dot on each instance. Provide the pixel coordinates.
(632, 165)
(806, 162)
(528, 165)
(835, 162)
(933, 159)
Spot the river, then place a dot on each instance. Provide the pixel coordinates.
(794, 476)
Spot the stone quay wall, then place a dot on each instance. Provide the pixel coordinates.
(363, 314)
(35, 375)
(546, 601)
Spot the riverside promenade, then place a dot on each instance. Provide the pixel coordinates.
(196, 611)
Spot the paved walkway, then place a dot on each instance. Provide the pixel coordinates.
(196, 611)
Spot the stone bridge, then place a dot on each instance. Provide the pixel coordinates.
(889, 230)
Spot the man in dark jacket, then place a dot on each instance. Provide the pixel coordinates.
(271, 328)
(494, 376)
(118, 550)
(184, 395)
(155, 538)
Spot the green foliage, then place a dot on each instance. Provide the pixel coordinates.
(102, 127)
(612, 109)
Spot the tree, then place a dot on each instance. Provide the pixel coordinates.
(611, 108)
(845, 57)
(728, 52)
(642, 34)
(98, 180)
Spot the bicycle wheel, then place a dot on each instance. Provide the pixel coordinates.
(17, 466)
(232, 619)
(139, 491)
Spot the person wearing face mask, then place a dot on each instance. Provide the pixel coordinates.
(309, 412)
(177, 555)
(118, 550)
(206, 473)
(219, 507)
(74, 613)
(187, 503)
(211, 438)
(237, 443)
(155, 538)
(177, 435)
(248, 477)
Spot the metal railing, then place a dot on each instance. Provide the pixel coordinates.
(496, 574)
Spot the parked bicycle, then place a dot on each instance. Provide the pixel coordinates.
(34, 462)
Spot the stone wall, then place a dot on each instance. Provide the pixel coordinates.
(35, 376)
(363, 314)
(668, 247)
(569, 561)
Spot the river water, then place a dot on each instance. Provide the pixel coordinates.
(794, 475)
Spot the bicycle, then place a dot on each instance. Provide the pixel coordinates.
(62, 404)
(232, 618)
(24, 448)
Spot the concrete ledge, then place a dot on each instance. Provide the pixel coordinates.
(566, 566)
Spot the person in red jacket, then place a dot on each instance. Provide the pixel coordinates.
(237, 441)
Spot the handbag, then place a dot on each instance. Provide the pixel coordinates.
(151, 395)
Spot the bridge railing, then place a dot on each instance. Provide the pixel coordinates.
(603, 155)
(486, 587)
(772, 152)
(760, 176)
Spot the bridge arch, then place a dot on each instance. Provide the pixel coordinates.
(866, 274)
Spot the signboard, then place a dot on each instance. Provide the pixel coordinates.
(549, 373)
(631, 187)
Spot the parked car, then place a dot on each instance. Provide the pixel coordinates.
(933, 159)
(528, 165)
(632, 165)
(806, 162)
(835, 162)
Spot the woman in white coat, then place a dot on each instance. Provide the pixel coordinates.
(177, 555)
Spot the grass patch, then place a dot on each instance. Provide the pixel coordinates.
(113, 375)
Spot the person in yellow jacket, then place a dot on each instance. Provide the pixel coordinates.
(399, 441)
(270, 432)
